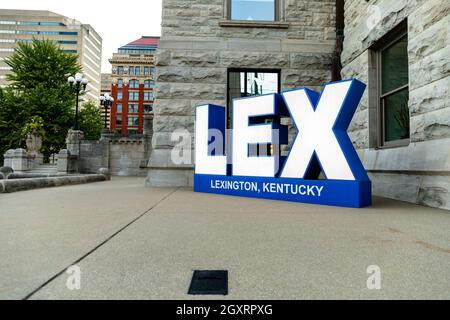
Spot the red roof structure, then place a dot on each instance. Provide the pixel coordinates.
(145, 41)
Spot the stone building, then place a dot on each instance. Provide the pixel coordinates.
(213, 51)
(71, 35)
(132, 79)
(401, 49)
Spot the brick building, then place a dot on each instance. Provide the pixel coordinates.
(133, 82)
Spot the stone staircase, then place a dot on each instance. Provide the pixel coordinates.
(45, 169)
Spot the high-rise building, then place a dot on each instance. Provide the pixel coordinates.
(74, 37)
(133, 69)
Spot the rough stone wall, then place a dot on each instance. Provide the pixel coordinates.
(122, 156)
(128, 157)
(199, 44)
(419, 172)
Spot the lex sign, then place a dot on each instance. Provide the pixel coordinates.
(254, 165)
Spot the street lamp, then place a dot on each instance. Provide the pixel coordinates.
(106, 101)
(79, 82)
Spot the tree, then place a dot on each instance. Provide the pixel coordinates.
(38, 87)
(90, 121)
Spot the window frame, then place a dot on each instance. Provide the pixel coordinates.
(392, 38)
(134, 84)
(276, 12)
(134, 111)
(132, 95)
(247, 70)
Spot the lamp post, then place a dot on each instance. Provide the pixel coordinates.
(106, 101)
(79, 83)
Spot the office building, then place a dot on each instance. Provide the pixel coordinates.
(71, 35)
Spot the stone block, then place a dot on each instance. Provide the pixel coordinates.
(169, 178)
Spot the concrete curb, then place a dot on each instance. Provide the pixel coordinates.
(17, 175)
(8, 186)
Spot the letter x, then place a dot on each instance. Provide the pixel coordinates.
(322, 123)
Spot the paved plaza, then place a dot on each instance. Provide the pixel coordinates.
(135, 243)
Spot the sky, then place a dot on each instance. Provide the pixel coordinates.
(117, 21)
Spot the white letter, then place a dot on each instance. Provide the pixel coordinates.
(74, 280)
(374, 280)
(315, 131)
(245, 135)
(181, 152)
(210, 125)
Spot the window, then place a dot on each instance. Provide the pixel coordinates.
(120, 83)
(253, 10)
(133, 121)
(119, 120)
(27, 32)
(133, 96)
(134, 84)
(149, 84)
(69, 33)
(394, 127)
(28, 23)
(148, 108)
(146, 71)
(148, 96)
(7, 22)
(246, 83)
(152, 70)
(131, 71)
(132, 131)
(51, 24)
(119, 108)
(133, 108)
(120, 70)
(119, 95)
(137, 71)
(8, 31)
(67, 42)
(70, 51)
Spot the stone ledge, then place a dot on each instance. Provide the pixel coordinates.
(8, 186)
(253, 24)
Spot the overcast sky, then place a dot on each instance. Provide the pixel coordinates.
(117, 21)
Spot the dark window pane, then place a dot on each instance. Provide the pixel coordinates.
(245, 84)
(396, 116)
(260, 10)
(395, 66)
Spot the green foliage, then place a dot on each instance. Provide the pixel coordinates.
(90, 121)
(35, 127)
(38, 87)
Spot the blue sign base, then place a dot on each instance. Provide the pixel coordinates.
(343, 193)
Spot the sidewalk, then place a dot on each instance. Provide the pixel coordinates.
(137, 243)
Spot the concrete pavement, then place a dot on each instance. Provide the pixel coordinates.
(137, 243)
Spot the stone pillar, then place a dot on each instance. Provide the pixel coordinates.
(8, 156)
(64, 161)
(73, 140)
(21, 160)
